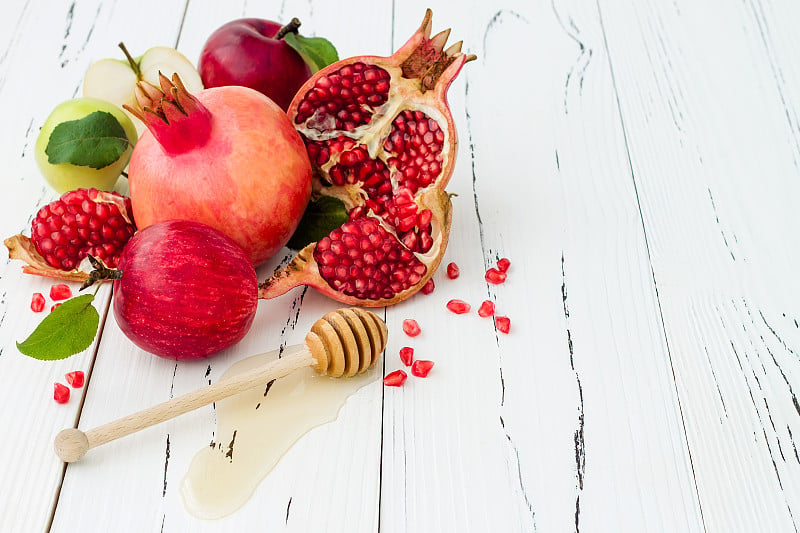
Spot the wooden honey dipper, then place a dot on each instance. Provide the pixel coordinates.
(344, 342)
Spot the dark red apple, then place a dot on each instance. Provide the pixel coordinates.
(251, 52)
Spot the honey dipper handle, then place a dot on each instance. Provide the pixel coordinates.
(71, 444)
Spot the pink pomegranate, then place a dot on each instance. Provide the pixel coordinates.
(227, 157)
(184, 290)
(381, 138)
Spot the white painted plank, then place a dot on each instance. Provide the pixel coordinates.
(710, 116)
(40, 66)
(638, 164)
(584, 394)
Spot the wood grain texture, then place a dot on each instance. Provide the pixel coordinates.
(639, 164)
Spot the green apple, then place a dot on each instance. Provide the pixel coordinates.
(114, 80)
(66, 176)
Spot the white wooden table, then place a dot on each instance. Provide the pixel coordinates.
(638, 162)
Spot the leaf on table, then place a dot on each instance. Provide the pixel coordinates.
(96, 140)
(70, 328)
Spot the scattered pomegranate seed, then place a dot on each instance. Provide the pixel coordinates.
(503, 323)
(37, 302)
(53, 307)
(459, 307)
(60, 393)
(495, 276)
(60, 291)
(407, 355)
(486, 309)
(421, 368)
(411, 327)
(395, 379)
(452, 270)
(503, 264)
(75, 378)
(428, 287)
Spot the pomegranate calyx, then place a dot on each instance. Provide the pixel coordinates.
(177, 120)
(427, 59)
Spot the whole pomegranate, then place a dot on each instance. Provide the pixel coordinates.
(184, 290)
(227, 156)
(381, 138)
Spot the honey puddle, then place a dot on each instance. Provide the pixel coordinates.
(254, 430)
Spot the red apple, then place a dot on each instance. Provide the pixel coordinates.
(251, 52)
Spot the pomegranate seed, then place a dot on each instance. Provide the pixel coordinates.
(503, 264)
(395, 379)
(459, 307)
(76, 378)
(428, 287)
(60, 393)
(411, 327)
(60, 291)
(494, 276)
(37, 302)
(407, 355)
(486, 309)
(421, 368)
(53, 307)
(503, 324)
(452, 270)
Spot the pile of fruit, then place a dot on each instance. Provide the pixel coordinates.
(271, 140)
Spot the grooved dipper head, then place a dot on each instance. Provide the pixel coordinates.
(346, 342)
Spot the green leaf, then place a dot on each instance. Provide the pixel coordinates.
(95, 141)
(316, 51)
(70, 328)
(322, 216)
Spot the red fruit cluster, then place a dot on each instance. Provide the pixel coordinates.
(81, 222)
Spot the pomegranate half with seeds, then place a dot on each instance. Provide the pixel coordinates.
(380, 138)
(80, 223)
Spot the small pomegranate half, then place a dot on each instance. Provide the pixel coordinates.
(184, 290)
(227, 157)
(380, 138)
(80, 222)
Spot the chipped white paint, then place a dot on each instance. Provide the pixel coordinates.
(640, 166)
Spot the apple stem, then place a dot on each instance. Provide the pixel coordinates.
(131, 61)
(291, 27)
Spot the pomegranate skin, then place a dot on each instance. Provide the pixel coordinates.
(250, 178)
(187, 291)
(381, 138)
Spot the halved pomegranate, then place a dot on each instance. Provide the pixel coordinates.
(380, 138)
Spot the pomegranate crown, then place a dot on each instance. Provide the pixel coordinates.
(177, 119)
(426, 58)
